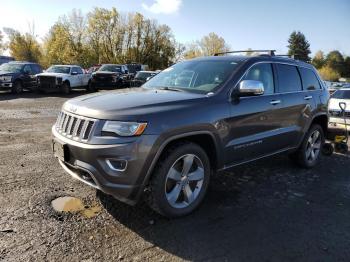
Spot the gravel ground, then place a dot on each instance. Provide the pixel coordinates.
(269, 210)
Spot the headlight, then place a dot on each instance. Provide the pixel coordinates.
(6, 78)
(124, 128)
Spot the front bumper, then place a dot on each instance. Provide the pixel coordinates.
(6, 85)
(89, 164)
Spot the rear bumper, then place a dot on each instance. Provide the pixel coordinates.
(89, 164)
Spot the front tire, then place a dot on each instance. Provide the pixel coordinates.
(310, 150)
(90, 87)
(65, 88)
(180, 180)
(17, 88)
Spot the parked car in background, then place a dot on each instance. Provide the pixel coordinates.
(133, 68)
(63, 78)
(164, 141)
(17, 76)
(93, 69)
(336, 119)
(142, 77)
(110, 76)
(6, 59)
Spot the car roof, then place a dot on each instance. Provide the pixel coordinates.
(258, 58)
(112, 64)
(22, 63)
(67, 65)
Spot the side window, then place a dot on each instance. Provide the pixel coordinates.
(36, 69)
(288, 78)
(74, 70)
(263, 73)
(310, 81)
(27, 69)
(79, 70)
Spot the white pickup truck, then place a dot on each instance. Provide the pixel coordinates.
(63, 78)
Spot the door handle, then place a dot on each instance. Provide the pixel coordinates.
(275, 102)
(308, 97)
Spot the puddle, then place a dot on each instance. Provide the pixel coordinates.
(75, 205)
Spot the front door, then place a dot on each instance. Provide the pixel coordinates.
(255, 120)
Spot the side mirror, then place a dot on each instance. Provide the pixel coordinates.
(148, 78)
(250, 88)
(74, 73)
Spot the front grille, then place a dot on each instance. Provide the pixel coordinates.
(74, 127)
(49, 81)
(338, 113)
(103, 78)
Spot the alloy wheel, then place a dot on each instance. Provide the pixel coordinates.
(184, 181)
(313, 146)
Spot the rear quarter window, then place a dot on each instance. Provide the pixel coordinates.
(310, 81)
(288, 78)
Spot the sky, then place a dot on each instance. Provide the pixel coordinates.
(256, 24)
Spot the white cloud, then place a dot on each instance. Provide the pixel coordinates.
(163, 6)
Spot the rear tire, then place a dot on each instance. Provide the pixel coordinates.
(309, 151)
(17, 88)
(180, 180)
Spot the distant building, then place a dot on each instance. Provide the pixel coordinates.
(6, 59)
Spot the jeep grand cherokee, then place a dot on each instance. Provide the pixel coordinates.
(164, 140)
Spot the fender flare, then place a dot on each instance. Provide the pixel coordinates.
(166, 142)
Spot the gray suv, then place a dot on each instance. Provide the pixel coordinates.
(163, 141)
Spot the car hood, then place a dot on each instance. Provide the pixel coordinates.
(4, 73)
(334, 104)
(132, 104)
(53, 74)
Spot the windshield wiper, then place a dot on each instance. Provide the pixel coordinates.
(170, 88)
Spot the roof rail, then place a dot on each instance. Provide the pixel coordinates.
(290, 56)
(269, 52)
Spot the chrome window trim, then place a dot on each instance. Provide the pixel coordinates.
(275, 62)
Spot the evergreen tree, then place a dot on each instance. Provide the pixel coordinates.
(298, 46)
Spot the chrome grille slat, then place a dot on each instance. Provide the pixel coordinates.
(74, 126)
(82, 132)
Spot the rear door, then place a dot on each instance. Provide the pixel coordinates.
(297, 104)
(255, 120)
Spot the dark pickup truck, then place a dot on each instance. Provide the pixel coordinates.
(110, 76)
(165, 140)
(16, 76)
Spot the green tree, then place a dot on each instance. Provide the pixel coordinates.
(24, 46)
(319, 60)
(347, 67)
(329, 74)
(335, 60)
(298, 46)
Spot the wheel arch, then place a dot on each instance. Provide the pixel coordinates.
(205, 139)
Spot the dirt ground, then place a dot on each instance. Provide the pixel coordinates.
(270, 210)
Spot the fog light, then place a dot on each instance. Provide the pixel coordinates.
(117, 164)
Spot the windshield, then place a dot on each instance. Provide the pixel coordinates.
(59, 69)
(194, 76)
(143, 75)
(110, 68)
(342, 94)
(12, 68)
